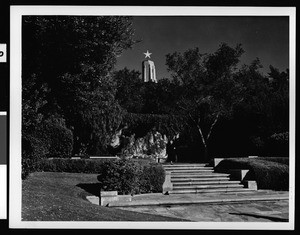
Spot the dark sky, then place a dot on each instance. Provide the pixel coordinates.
(264, 37)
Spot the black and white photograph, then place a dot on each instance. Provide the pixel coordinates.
(176, 117)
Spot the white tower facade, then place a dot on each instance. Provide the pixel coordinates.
(149, 73)
(148, 69)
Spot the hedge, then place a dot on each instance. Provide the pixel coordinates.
(131, 177)
(269, 173)
(69, 165)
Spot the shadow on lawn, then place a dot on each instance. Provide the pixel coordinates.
(92, 188)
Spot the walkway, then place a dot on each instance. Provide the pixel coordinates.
(258, 211)
(262, 205)
(158, 199)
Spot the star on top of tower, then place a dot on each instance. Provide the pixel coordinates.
(147, 54)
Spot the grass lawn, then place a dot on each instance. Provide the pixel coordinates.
(269, 173)
(53, 196)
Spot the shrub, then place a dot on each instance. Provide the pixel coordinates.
(61, 138)
(152, 178)
(130, 177)
(271, 175)
(48, 138)
(268, 174)
(120, 175)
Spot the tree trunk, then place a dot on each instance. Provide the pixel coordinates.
(204, 142)
(203, 139)
(206, 157)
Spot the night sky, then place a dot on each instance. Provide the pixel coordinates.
(264, 37)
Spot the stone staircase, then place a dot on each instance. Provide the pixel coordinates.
(199, 178)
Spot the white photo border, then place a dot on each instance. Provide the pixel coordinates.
(15, 182)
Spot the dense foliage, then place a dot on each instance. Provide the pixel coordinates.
(67, 73)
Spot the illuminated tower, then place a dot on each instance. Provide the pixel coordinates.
(148, 69)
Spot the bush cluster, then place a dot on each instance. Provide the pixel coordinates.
(131, 177)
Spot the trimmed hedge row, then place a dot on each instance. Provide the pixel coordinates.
(269, 173)
(126, 176)
(69, 165)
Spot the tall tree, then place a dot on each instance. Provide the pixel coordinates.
(264, 110)
(67, 65)
(209, 89)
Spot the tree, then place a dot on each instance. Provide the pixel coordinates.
(137, 96)
(130, 88)
(67, 70)
(251, 115)
(264, 110)
(160, 97)
(279, 99)
(209, 90)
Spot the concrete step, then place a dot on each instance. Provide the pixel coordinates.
(185, 165)
(220, 190)
(189, 168)
(203, 175)
(182, 168)
(212, 182)
(213, 186)
(204, 179)
(203, 171)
